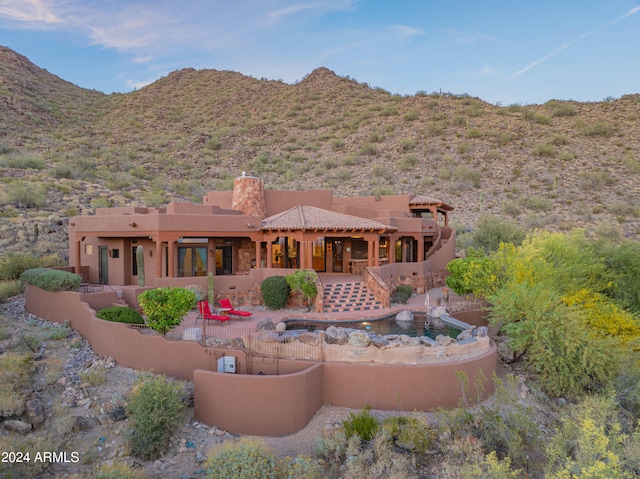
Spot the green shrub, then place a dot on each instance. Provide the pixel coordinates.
(120, 314)
(165, 307)
(15, 376)
(51, 279)
(303, 280)
(544, 149)
(9, 289)
(304, 467)
(275, 292)
(93, 376)
(244, 459)
(59, 331)
(491, 231)
(363, 425)
(155, 409)
(402, 294)
(399, 297)
(408, 433)
(12, 265)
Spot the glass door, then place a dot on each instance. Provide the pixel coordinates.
(336, 247)
(103, 264)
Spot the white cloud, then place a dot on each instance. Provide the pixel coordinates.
(30, 11)
(407, 31)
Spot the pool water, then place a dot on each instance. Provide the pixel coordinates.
(418, 327)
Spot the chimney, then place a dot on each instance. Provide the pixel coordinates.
(248, 196)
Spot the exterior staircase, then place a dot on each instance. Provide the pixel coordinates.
(348, 296)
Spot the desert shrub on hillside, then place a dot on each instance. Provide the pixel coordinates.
(491, 232)
(244, 459)
(15, 375)
(9, 289)
(590, 443)
(155, 409)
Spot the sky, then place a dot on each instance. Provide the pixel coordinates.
(502, 51)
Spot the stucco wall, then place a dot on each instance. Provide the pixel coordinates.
(259, 404)
(289, 393)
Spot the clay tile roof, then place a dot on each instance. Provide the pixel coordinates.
(300, 218)
(421, 200)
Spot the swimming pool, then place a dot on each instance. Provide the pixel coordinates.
(418, 327)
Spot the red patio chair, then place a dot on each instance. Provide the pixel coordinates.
(205, 312)
(226, 303)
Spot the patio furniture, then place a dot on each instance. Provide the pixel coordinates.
(205, 312)
(225, 303)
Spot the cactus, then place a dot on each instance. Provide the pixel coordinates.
(210, 297)
(140, 262)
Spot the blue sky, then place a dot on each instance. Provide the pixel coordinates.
(502, 51)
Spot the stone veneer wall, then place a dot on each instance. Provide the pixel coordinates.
(248, 196)
(246, 255)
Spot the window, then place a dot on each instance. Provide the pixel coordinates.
(192, 261)
(115, 253)
(88, 249)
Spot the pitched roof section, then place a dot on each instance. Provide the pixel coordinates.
(421, 200)
(310, 218)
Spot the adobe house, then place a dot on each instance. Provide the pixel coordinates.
(245, 235)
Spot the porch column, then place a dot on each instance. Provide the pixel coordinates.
(158, 254)
(309, 254)
(446, 219)
(376, 252)
(269, 254)
(77, 253)
(420, 249)
(370, 252)
(171, 267)
(435, 216)
(391, 251)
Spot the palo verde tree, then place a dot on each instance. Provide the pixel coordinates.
(548, 296)
(165, 307)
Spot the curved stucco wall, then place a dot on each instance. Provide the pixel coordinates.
(284, 399)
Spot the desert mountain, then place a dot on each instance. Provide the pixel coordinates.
(65, 150)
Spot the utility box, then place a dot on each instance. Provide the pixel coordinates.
(227, 364)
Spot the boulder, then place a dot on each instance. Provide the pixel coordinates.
(266, 324)
(359, 339)
(443, 340)
(84, 423)
(379, 341)
(481, 332)
(281, 327)
(404, 315)
(335, 335)
(18, 426)
(117, 413)
(35, 411)
(466, 334)
(308, 338)
(285, 338)
(427, 341)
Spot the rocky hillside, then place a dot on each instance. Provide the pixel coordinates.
(65, 150)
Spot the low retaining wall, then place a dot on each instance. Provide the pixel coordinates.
(287, 395)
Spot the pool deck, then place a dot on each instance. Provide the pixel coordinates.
(415, 303)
